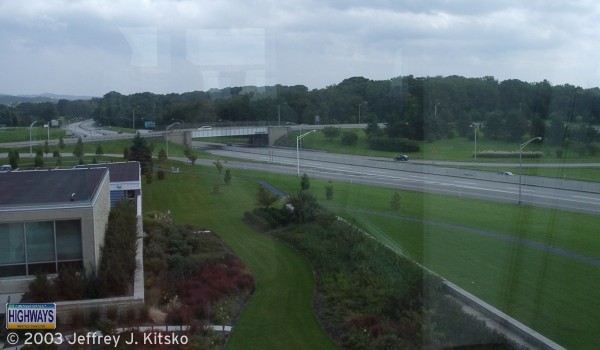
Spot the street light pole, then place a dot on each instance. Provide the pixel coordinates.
(30, 148)
(298, 149)
(475, 131)
(523, 145)
(360, 104)
(279, 113)
(166, 140)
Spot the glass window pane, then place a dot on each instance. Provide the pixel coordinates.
(40, 241)
(68, 240)
(12, 249)
(12, 270)
(44, 268)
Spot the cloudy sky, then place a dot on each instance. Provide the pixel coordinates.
(91, 47)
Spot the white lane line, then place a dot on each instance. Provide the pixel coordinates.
(592, 198)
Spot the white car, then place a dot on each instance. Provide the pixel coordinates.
(205, 127)
(506, 173)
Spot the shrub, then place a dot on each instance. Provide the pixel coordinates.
(160, 174)
(509, 154)
(393, 144)
(349, 138)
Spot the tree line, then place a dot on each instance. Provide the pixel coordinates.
(416, 108)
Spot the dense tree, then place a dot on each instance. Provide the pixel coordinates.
(265, 198)
(304, 182)
(78, 151)
(140, 152)
(13, 158)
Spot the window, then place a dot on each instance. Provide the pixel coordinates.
(39, 247)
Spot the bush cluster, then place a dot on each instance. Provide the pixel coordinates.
(367, 295)
(509, 154)
(214, 281)
(393, 144)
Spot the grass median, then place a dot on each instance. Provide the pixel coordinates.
(279, 313)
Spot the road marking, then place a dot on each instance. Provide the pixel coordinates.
(592, 198)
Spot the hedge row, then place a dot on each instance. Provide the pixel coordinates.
(393, 144)
(509, 154)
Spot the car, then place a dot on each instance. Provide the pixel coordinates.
(5, 169)
(205, 127)
(508, 173)
(402, 157)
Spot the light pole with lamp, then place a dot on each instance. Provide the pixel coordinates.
(474, 126)
(279, 113)
(523, 145)
(166, 140)
(360, 104)
(298, 149)
(30, 148)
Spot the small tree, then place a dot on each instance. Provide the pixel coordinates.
(265, 198)
(160, 174)
(148, 177)
(58, 160)
(81, 162)
(38, 161)
(46, 147)
(329, 191)
(192, 157)
(349, 138)
(61, 142)
(99, 150)
(227, 177)
(162, 155)
(126, 153)
(219, 165)
(331, 132)
(56, 153)
(94, 161)
(395, 202)
(13, 158)
(305, 182)
(78, 151)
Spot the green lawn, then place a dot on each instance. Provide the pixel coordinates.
(279, 314)
(554, 294)
(38, 132)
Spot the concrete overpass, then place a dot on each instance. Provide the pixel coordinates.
(257, 135)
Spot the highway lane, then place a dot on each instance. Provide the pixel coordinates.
(411, 177)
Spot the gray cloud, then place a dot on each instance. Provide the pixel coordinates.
(92, 47)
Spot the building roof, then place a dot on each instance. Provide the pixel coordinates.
(119, 172)
(43, 187)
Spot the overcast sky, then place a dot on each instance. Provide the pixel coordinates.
(93, 47)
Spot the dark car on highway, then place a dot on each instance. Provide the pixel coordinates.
(402, 157)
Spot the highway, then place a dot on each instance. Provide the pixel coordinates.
(411, 176)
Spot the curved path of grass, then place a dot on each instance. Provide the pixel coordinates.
(279, 314)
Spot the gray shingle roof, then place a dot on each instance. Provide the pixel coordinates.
(43, 187)
(119, 172)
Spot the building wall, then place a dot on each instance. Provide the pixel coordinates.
(99, 218)
(93, 216)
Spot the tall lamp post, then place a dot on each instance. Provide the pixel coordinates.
(360, 104)
(475, 132)
(298, 148)
(30, 148)
(279, 113)
(523, 145)
(166, 140)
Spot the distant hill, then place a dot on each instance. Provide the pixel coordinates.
(12, 100)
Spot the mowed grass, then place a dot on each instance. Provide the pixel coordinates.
(279, 313)
(555, 295)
